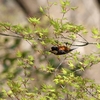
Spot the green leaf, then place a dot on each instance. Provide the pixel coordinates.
(95, 31)
(74, 8)
(43, 43)
(72, 36)
(30, 58)
(34, 20)
(18, 28)
(19, 54)
(41, 9)
(28, 30)
(98, 45)
(64, 71)
(84, 31)
(64, 3)
(5, 24)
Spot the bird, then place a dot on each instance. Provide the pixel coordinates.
(60, 50)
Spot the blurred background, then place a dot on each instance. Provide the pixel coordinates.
(17, 12)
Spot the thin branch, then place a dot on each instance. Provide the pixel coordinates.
(16, 36)
(91, 94)
(68, 94)
(83, 38)
(71, 39)
(61, 63)
(85, 43)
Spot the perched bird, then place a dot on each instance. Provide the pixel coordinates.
(60, 50)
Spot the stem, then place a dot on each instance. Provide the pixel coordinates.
(68, 94)
(11, 35)
(71, 39)
(61, 63)
(82, 38)
(91, 94)
(85, 43)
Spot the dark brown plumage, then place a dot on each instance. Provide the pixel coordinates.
(60, 50)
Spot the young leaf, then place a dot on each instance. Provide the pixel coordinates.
(98, 45)
(41, 9)
(95, 31)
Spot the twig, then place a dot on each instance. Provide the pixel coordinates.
(83, 38)
(68, 94)
(85, 43)
(60, 64)
(91, 94)
(71, 39)
(16, 36)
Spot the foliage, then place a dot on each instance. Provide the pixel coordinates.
(51, 81)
